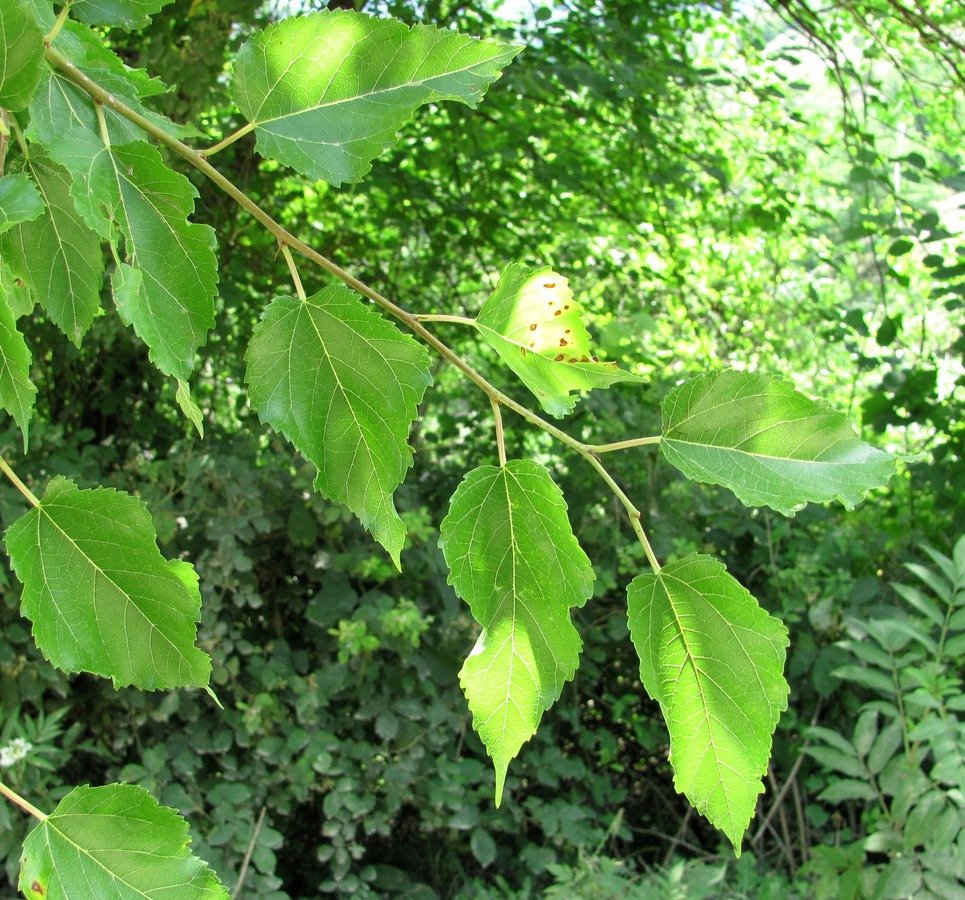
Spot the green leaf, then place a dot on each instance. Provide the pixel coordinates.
(714, 660)
(89, 562)
(327, 92)
(56, 255)
(514, 559)
(772, 446)
(59, 105)
(113, 841)
(19, 201)
(343, 385)
(535, 325)
(166, 289)
(126, 14)
(21, 54)
(16, 391)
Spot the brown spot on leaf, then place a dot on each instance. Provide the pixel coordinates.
(533, 327)
(532, 343)
(563, 342)
(559, 357)
(558, 312)
(37, 888)
(522, 350)
(573, 359)
(550, 284)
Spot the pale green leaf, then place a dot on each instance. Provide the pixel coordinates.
(21, 54)
(535, 325)
(16, 390)
(114, 842)
(167, 286)
(772, 446)
(101, 597)
(514, 559)
(126, 14)
(56, 255)
(327, 92)
(714, 660)
(19, 201)
(343, 385)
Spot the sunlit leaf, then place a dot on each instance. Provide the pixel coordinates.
(328, 91)
(126, 14)
(113, 842)
(167, 284)
(514, 559)
(772, 446)
(56, 255)
(535, 325)
(343, 385)
(101, 597)
(19, 201)
(714, 660)
(16, 391)
(21, 54)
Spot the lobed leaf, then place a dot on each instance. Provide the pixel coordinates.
(536, 327)
(21, 54)
(169, 277)
(343, 385)
(514, 559)
(714, 661)
(17, 393)
(19, 201)
(101, 597)
(56, 255)
(328, 91)
(769, 444)
(113, 841)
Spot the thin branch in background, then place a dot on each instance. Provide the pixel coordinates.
(251, 849)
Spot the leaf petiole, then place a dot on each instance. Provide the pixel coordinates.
(500, 435)
(229, 140)
(61, 18)
(625, 445)
(457, 320)
(18, 484)
(299, 290)
(25, 805)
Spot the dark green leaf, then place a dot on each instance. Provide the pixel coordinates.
(21, 54)
(19, 201)
(167, 289)
(113, 842)
(126, 14)
(89, 562)
(343, 385)
(56, 255)
(16, 391)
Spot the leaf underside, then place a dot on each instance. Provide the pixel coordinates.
(536, 327)
(101, 597)
(772, 446)
(343, 385)
(116, 841)
(327, 92)
(514, 559)
(714, 661)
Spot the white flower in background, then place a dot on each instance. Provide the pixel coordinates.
(13, 752)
